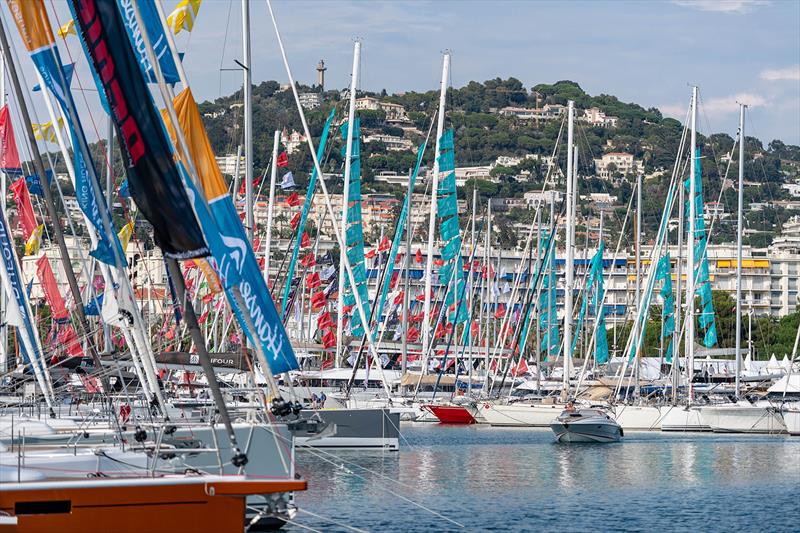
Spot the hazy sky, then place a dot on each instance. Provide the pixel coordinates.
(647, 52)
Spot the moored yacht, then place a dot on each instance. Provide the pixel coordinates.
(586, 425)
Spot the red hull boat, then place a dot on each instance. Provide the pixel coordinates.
(451, 414)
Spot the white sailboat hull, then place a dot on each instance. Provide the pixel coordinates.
(638, 417)
(683, 418)
(791, 417)
(741, 418)
(519, 414)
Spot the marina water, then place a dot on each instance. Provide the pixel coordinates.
(491, 479)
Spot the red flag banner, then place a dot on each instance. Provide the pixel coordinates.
(384, 245)
(329, 339)
(317, 301)
(313, 281)
(325, 320)
(27, 218)
(418, 256)
(309, 260)
(9, 157)
(305, 241)
(295, 220)
(293, 200)
(283, 160)
(68, 339)
(58, 309)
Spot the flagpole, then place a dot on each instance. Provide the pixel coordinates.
(346, 204)
(272, 179)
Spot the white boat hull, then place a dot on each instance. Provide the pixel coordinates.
(791, 417)
(519, 414)
(741, 418)
(581, 428)
(638, 417)
(683, 418)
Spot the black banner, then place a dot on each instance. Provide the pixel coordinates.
(153, 178)
(232, 361)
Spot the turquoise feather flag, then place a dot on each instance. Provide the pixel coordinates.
(701, 274)
(355, 235)
(449, 231)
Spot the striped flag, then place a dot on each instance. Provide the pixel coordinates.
(182, 17)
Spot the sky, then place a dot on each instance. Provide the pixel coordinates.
(646, 52)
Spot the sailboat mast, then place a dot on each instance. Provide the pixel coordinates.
(471, 287)
(434, 192)
(676, 352)
(248, 120)
(690, 249)
(345, 202)
(487, 280)
(638, 295)
(407, 284)
(569, 276)
(739, 230)
(271, 206)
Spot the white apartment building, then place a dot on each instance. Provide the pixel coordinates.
(594, 117)
(392, 142)
(534, 198)
(394, 112)
(623, 163)
(398, 178)
(310, 100)
(548, 112)
(464, 174)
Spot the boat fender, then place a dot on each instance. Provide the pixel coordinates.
(140, 435)
(621, 432)
(296, 408)
(169, 430)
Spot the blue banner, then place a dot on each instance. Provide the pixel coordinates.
(48, 63)
(155, 33)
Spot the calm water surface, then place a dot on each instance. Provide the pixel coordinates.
(491, 479)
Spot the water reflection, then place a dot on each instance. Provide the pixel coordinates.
(487, 477)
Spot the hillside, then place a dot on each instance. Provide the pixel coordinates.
(503, 118)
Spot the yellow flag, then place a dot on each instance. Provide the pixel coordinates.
(34, 241)
(45, 131)
(67, 29)
(125, 235)
(182, 17)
